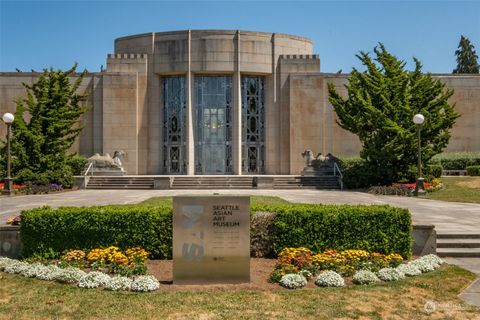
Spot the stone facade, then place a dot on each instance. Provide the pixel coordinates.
(126, 100)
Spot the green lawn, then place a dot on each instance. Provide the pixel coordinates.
(254, 200)
(24, 298)
(458, 189)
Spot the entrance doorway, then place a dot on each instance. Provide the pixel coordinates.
(213, 149)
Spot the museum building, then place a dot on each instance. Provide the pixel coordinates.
(222, 102)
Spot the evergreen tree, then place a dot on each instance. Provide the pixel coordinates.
(45, 127)
(467, 59)
(379, 109)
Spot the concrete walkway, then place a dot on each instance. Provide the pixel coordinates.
(448, 217)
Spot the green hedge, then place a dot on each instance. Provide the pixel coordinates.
(356, 174)
(381, 229)
(433, 171)
(473, 170)
(457, 160)
(48, 232)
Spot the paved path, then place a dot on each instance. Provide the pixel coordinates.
(448, 217)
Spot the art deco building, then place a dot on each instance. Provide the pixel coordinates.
(222, 102)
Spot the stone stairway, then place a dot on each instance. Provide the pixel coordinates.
(299, 182)
(120, 182)
(209, 182)
(215, 182)
(465, 245)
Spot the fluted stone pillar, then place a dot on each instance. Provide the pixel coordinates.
(190, 147)
(237, 112)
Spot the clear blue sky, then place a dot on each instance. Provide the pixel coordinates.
(39, 34)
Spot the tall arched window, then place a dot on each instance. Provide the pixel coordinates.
(253, 124)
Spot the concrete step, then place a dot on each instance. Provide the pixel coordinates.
(119, 187)
(459, 252)
(214, 182)
(458, 235)
(458, 243)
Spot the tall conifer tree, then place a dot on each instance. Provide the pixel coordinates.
(46, 126)
(467, 59)
(379, 108)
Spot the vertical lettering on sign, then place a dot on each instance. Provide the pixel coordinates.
(193, 223)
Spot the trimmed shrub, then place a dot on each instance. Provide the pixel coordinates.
(261, 231)
(382, 229)
(393, 190)
(46, 230)
(355, 173)
(457, 160)
(433, 171)
(77, 163)
(473, 170)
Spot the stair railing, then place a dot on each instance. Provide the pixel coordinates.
(336, 169)
(90, 166)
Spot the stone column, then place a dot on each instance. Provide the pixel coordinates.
(190, 147)
(237, 111)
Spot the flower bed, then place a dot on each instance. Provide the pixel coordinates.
(346, 262)
(108, 260)
(17, 187)
(406, 189)
(35, 189)
(332, 266)
(71, 269)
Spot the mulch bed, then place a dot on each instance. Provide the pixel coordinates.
(260, 270)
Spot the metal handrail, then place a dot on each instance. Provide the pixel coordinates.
(335, 169)
(88, 169)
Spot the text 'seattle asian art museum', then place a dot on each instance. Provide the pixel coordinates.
(222, 102)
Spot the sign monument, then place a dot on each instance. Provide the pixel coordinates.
(211, 239)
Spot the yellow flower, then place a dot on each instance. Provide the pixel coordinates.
(96, 255)
(74, 255)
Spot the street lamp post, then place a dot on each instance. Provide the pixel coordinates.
(8, 186)
(418, 119)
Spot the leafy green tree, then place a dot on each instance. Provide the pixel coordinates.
(467, 59)
(379, 108)
(45, 127)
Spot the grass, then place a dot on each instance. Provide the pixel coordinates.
(24, 298)
(254, 200)
(458, 189)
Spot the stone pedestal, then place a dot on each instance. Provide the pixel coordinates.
(162, 182)
(10, 241)
(424, 240)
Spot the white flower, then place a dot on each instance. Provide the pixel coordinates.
(329, 279)
(119, 283)
(365, 277)
(16, 267)
(5, 262)
(33, 270)
(409, 270)
(390, 274)
(423, 266)
(69, 275)
(145, 284)
(48, 273)
(432, 258)
(93, 279)
(293, 281)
